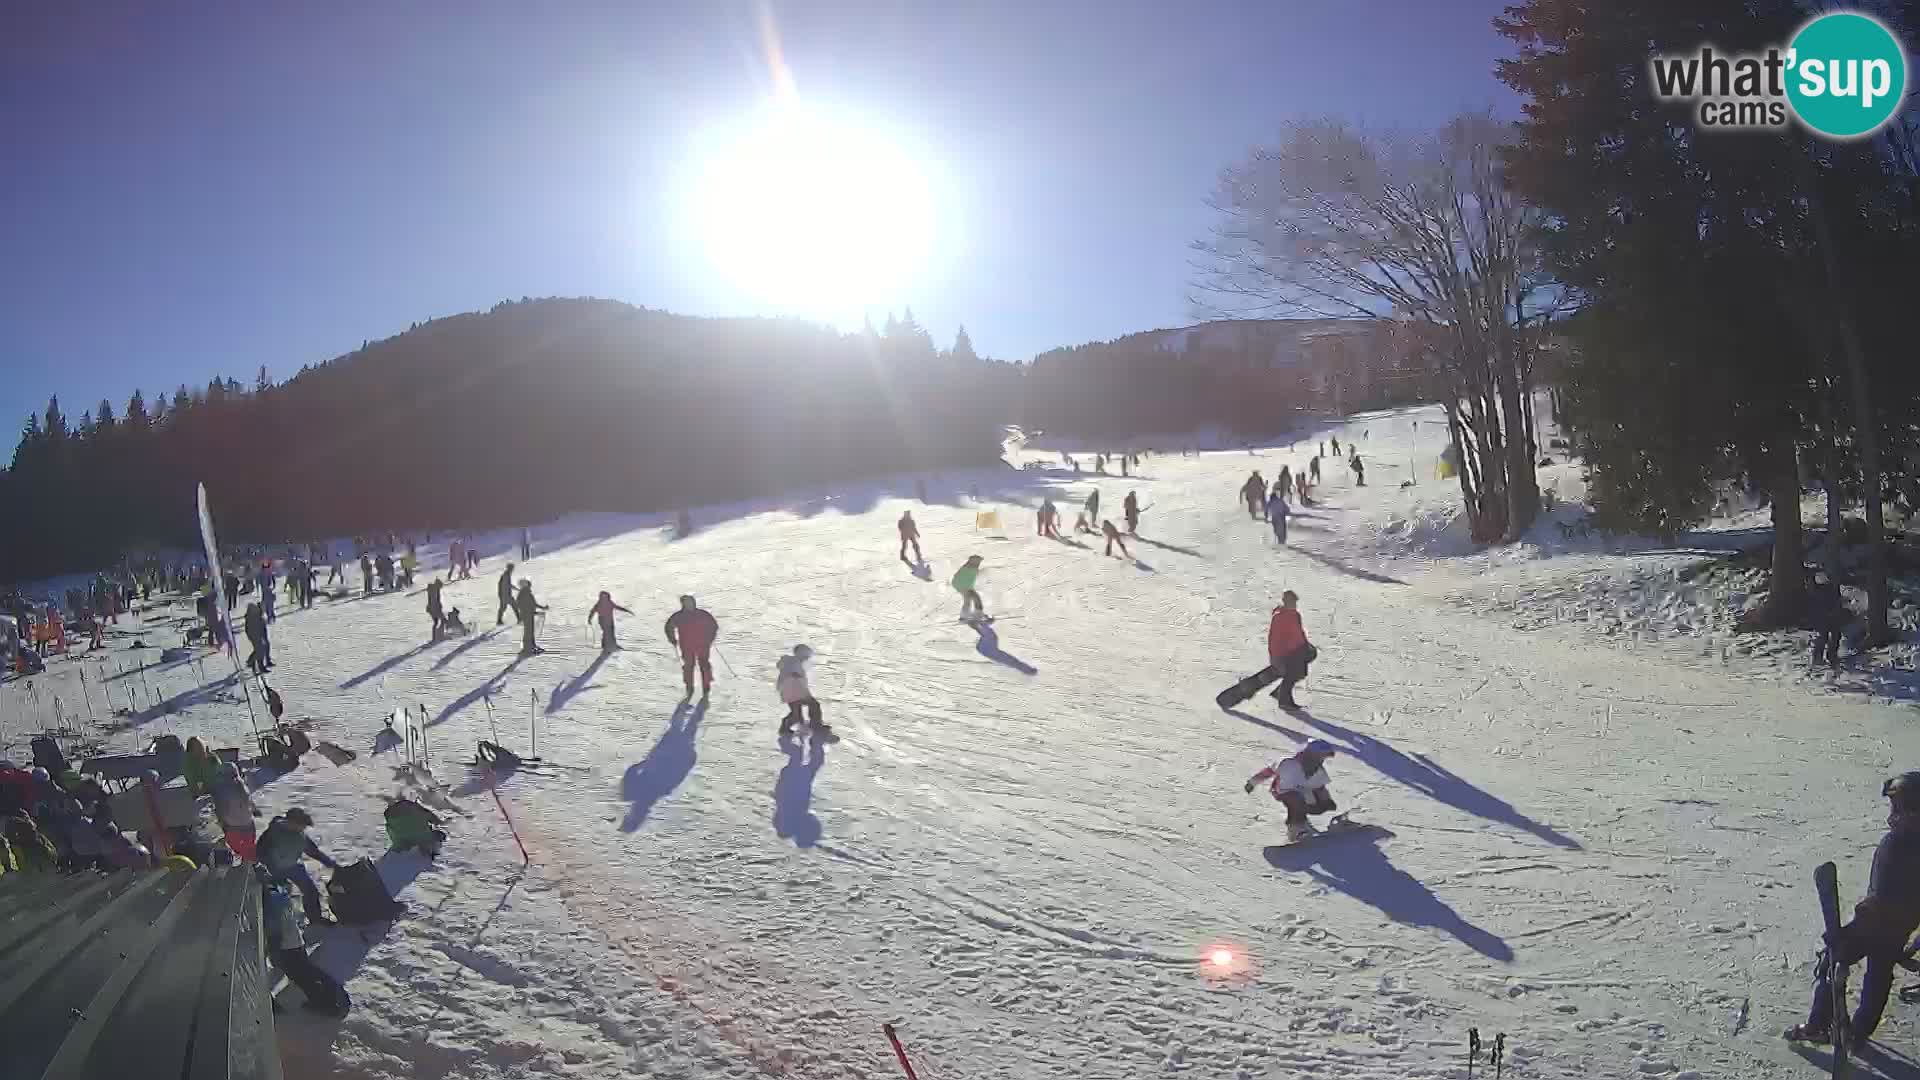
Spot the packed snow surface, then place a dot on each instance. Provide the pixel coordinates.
(1030, 849)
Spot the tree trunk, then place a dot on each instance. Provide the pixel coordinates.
(1787, 589)
(1831, 480)
(1523, 487)
(1461, 473)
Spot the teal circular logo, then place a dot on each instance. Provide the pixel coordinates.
(1847, 75)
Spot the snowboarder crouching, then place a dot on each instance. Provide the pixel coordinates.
(412, 827)
(964, 580)
(1882, 921)
(1300, 784)
(791, 682)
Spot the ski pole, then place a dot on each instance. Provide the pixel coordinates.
(1499, 1054)
(899, 1051)
(1473, 1049)
(723, 659)
(491, 726)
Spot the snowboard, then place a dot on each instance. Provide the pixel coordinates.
(1247, 687)
(1338, 825)
(1826, 881)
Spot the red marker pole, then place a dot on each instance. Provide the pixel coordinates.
(525, 859)
(899, 1051)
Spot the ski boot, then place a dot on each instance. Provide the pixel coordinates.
(1301, 830)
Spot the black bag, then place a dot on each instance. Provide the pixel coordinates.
(358, 896)
(47, 755)
(168, 744)
(323, 992)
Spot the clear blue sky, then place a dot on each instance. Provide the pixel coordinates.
(200, 189)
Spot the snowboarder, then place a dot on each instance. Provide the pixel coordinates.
(1830, 616)
(964, 581)
(1253, 493)
(603, 610)
(1288, 649)
(1882, 922)
(434, 611)
(1359, 469)
(791, 682)
(1049, 518)
(506, 597)
(1277, 511)
(909, 534)
(1313, 468)
(1130, 509)
(1113, 537)
(1082, 525)
(692, 630)
(525, 607)
(1299, 783)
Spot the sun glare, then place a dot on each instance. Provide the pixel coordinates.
(811, 211)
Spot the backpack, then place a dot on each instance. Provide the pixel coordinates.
(47, 755)
(358, 896)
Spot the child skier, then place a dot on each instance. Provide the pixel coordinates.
(603, 610)
(1113, 537)
(909, 534)
(1299, 783)
(791, 682)
(964, 580)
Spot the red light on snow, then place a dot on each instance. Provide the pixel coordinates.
(1221, 958)
(1225, 962)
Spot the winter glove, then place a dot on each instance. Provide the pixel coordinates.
(1249, 787)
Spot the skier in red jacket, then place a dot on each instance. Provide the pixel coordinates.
(692, 630)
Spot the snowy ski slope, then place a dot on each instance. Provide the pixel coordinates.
(1030, 840)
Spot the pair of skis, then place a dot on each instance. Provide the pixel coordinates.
(1826, 881)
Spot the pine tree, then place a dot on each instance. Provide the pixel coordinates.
(261, 384)
(963, 346)
(103, 415)
(56, 426)
(137, 418)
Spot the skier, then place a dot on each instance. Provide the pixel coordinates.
(408, 564)
(1082, 525)
(1830, 616)
(1300, 483)
(1093, 508)
(434, 611)
(525, 607)
(337, 573)
(1113, 537)
(1313, 468)
(383, 567)
(1359, 469)
(506, 597)
(1882, 922)
(1130, 508)
(1288, 649)
(266, 583)
(964, 580)
(366, 574)
(603, 610)
(526, 543)
(1285, 483)
(1277, 511)
(1253, 492)
(909, 534)
(692, 630)
(260, 661)
(1049, 518)
(456, 558)
(1336, 446)
(1299, 783)
(791, 682)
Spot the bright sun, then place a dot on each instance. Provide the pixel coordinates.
(811, 211)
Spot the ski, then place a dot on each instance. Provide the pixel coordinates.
(1826, 881)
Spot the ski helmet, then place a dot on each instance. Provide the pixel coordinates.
(1325, 749)
(804, 652)
(1904, 790)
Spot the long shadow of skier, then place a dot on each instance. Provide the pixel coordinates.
(386, 665)
(484, 690)
(476, 639)
(1355, 865)
(1422, 774)
(989, 647)
(1870, 1062)
(1169, 547)
(1296, 736)
(1345, 568)
(793, 816)
(665, 767)
(575, 686)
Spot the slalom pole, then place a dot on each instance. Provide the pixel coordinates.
(533, 734)
(899, 1051)
(86, 695)
(491, 726)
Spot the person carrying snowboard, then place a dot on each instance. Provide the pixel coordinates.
(791, 682)
(506, 596)
(1288, 649)
(1300, 783)
(1130, 509)
(1882, 922)
(692, 630)
(434, 609)
(525, 607)
(1277, 511)
(964, 581)
(909, 534)
(603, 610)
(1113, 537)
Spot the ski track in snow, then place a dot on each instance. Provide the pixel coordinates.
(1027, 841)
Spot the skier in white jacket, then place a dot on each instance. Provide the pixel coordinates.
(1300, 784)
(792, 684)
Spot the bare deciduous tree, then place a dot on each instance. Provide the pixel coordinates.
(1336, 222)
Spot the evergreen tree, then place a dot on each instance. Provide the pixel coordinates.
(963, 346)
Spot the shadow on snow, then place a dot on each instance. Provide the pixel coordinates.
(665, 767)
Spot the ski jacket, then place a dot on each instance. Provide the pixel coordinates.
(506, 586)
(1277, 506)
(1890, 912)
(1285, 635)
(792, 680)
(692, 630)
(908, 529)
(604, 609)
(231, 805)
(965, 578)
(281, 847)
(525, 606)
(433, 595)
(1289, 775)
